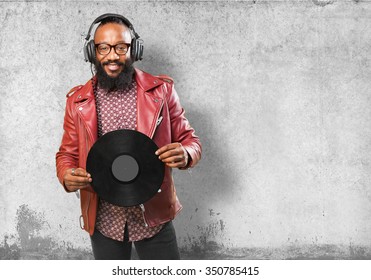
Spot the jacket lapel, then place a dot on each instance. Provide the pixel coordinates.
(86, 108)
(149, 102)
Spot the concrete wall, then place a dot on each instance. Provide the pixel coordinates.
(278, 91)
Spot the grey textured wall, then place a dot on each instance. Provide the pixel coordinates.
(278, 91)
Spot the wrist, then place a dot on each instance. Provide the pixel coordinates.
(188, 160)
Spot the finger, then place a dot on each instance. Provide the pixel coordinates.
(178, 151)
(76, 172)
(78, 180)
(168, 154)
(178, 164)
(74, 188)
(173, 159)
(80, 172)
(75, 185)
(167, 147)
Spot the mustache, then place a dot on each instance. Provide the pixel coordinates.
(113, 61)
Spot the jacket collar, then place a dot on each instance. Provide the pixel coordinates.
(146, 81)
(85, 92)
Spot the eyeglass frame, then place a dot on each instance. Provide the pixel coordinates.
(114, 47)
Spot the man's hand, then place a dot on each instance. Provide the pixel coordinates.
(173, 155)
(76, 178)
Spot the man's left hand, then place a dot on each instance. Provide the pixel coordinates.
(173, 155)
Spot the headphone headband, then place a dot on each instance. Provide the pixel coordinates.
(109, 15)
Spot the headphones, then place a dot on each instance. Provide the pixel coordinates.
(136, 45)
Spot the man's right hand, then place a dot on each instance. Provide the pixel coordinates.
(76, 178)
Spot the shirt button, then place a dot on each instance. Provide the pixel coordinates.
(80, 108)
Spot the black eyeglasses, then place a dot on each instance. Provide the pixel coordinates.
(120, 49)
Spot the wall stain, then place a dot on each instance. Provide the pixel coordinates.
(216, 251)
(29, 225)
(323, 3)
(202, 246)
(212, 213)
(33, 243)
(9, 251)
(30, 244)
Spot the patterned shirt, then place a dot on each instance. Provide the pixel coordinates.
(118, 110)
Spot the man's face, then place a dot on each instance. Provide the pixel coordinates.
(112, 34)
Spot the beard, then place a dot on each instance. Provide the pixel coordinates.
(121, 82)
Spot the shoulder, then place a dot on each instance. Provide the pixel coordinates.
(142, 75)
(73, 90)
(81, 88)
(166, 79)
(148, 81)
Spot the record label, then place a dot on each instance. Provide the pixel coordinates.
(125, 168)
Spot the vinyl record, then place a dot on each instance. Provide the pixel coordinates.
(124, 167)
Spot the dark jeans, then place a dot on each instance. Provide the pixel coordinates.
(162, 246)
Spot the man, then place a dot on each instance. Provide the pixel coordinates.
(120, 96)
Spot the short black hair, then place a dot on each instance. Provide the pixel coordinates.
(113, 19)
(117, 20)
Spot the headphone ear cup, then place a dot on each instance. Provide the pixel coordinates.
(89, 52)
(136, 49)
(140, 48)
(133, 52)
(85, 49)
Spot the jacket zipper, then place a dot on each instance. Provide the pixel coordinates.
(144, 218)
(87, 213)
(159, 120)
(87, 208)
(88, 198)
(81, 218)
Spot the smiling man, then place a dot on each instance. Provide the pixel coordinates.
(120, 96)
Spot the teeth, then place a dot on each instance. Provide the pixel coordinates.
(113, 66)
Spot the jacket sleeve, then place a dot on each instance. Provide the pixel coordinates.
(67, 156)
(181, 130)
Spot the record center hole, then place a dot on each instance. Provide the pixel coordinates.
(125, 168)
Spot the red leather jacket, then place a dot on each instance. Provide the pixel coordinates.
(156, 97)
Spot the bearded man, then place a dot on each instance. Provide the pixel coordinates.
(120, 96)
